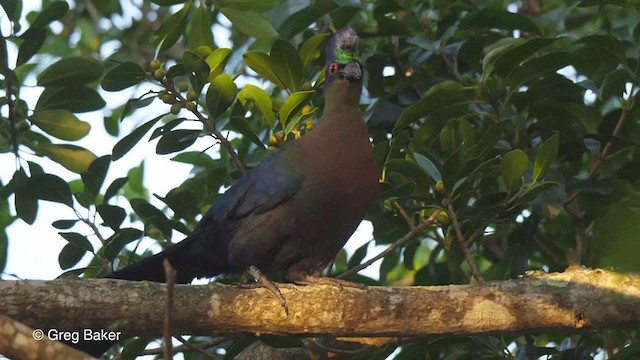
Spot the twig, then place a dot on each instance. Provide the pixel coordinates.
(195, 348)
(212, 129)
(170, 275)
(404, 214)
(187, 348)
(403, 240)
(463, 243)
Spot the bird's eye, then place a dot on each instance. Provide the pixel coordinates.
(333, 68)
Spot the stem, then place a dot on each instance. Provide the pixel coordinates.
(464, 244)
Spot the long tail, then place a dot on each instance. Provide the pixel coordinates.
(195, 256)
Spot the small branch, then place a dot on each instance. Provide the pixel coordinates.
(403, 240)
(212, 129)
(187, 347)
(170, 275)
(463, 243)
(195, 348)
(404, 214)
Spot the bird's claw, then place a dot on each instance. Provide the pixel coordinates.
(263, 281)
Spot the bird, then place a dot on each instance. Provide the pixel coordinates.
(292, 213)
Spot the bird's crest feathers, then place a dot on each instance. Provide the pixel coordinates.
(343, 46)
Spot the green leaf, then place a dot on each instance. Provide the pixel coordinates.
(217, 60)
(293, 104)
(13, 9)
(440, 97)
(51, 188)
(168, 2)
(259, 6)
(499, 19)
(26, 207)
(220, 95)
(135, 104)
(77, 99)
(239, 123)
(64, 224)
(312, 49)
(250, 23)
(253, 94)
(113, 189)
(94, 177)
(171, 29)
(74, 158)
(199, 30)
(532, 69)
(533, 191)
(289, 69)
(128, 142)
(615, 243)
(71, 71)
(428, 166)
(70, 255)
(409, 169)
(113, 216)
(32, 41)
(134, 348)
(53, 12)
(124, 75)
(78, 240)
(505, 59)
(358, 256)
(183, 202)
(61, 124)
(265, 66)
(176, 140)
(546, 154)
(195, 158)
(514, 164)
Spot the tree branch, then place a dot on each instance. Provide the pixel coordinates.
(576, 300)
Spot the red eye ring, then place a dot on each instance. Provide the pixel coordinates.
(333, 68)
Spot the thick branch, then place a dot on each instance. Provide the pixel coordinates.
(579, 299)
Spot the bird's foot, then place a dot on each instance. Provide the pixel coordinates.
(311, 279)
(263, 281)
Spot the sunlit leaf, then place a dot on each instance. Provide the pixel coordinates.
(71, 71)
(217, 60)
(61, 124)
(514, 164)
(546, 154)
(293, 104)
(257, 96)
(250, 23)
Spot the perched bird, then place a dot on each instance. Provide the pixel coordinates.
(292, 213)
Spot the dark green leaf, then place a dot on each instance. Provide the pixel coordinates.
(195, 158)
(144, 209)
(250, 23)
(113, 216)
(64, 224)
(533, 191)
(71, 71)
(135, 104)
(546, 154)
(409, 169)
(31, 44)
(358, 256)
(428, 166)
(183, 202)
(78, 240)
(77, 99)
(93, 178)
(251, 5)
(168, 2)
(503, 60)
(70, 256)
(241, 125)
(53, 12)
(199, 30)
(171, 29)
(26, 207)
(312, 49)
(128, 142)
(134, 348)
(12, 8)
(532, 69)
(113, 189)
(264, 65)
(220, 95)
(124, 75)
(499, 19)
(616, 237)
(176, 140)
(290, 67)
(514, 164)
(51, 188)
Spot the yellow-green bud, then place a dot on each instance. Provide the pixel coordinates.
(156, 64)
(192, 95)
(191, 106)
(183, 86)
(175, 108)
(159, 73)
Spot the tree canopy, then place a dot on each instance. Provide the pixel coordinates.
(505, 133)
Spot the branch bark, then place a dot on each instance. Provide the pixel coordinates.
(576, 300)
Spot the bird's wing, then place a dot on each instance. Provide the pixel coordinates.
(264, 187)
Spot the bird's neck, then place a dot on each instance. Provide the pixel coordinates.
(342, 94)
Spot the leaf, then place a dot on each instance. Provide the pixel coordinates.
(61, 124)
(70, 255)
(289, 67)
(78, 240)
(73, 158)
(250, 23)
(358, 256)
(265, 66)
(293, 104)
(171, 29)
(539, 66)
(53, 12)
(94, 177)
(64, 224)
(134, 348)
(113, 189)
(113, 216)
(514, 164)
(32, 41)
(260, 98)
(240, 124)
(217, 60)
(12, 8)
(26, 207)
(51, 188)
(123, 76)
(428, 166)
(533, 191)
(183, 202)
(259, 6)
(440, 97)
(409, 169)
(199, 30)
(220, 95)
(312, 49)
(176, 140)
(615, 242)
(499, 19)
(77, 99)
(168, 2)
(546, 154)
(71, 71)
(128, 142)
(135, 104)
(503, 60)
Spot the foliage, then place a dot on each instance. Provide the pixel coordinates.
(513, 124)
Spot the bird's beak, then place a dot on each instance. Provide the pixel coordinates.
(352, 71)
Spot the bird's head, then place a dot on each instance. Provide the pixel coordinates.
(342, 57)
